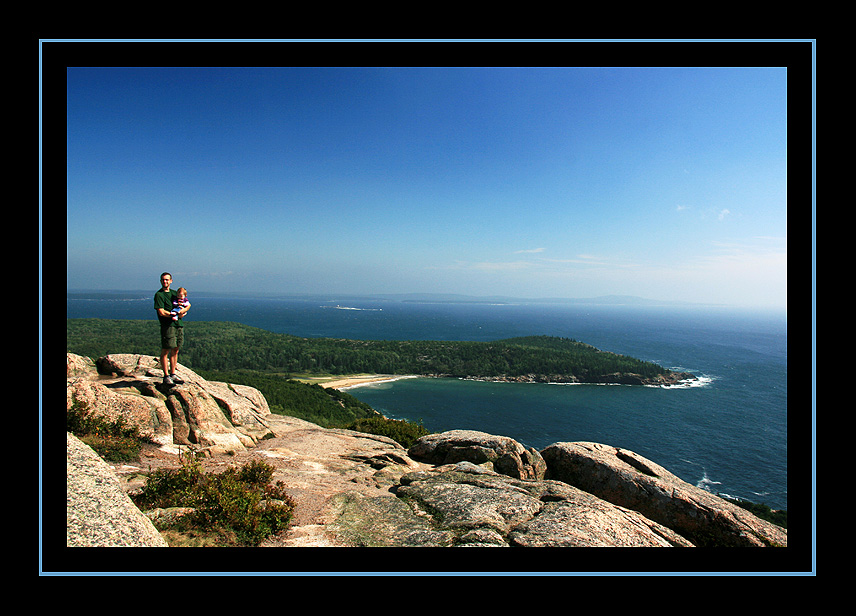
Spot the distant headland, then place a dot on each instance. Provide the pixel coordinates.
(218, 345)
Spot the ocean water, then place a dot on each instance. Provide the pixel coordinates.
(727, 433)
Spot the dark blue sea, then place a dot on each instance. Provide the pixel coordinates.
(727, 433)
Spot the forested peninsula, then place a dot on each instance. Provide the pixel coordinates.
(226, 346)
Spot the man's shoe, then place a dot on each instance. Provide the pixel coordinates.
(176, 379)
(167, 381)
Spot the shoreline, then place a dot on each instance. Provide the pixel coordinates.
(357, 381)
(679, 380)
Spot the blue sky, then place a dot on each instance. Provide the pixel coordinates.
(666, 183)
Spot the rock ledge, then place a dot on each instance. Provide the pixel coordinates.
(460, 488)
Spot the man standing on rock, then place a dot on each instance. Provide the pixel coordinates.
(172, 330)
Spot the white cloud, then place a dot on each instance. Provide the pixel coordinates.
(751, 271)
(763, 254)
(589, 260)
(206, 274)
(531, 251)
(493, 266)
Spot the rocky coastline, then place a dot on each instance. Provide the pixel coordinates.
(668, 379)
(454, 489)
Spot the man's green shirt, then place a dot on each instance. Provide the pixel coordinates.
(163, 299)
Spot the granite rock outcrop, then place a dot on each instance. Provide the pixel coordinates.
(99, 513)
(216, 417)
(457, 488)
(626, 479)
(506, 455)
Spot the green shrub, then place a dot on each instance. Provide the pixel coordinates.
(238, 504)
(114, 440)
(778, 517)
(403, 432)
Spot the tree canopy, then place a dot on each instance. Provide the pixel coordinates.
(227, 346)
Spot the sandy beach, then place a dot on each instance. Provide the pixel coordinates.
(357, 381)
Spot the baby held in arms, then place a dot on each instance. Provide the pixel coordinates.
(179, 303)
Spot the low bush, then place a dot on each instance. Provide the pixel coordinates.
(405, 433)
(778, 517)
(238, 507)
(115, 440)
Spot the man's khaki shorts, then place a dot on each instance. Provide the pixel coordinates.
(171, 336)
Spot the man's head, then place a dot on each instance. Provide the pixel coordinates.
(166, 280)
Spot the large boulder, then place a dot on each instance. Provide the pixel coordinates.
(98, 511)
(467, 505)
(77, 365)
(629, 480)
(138, 403)
(216, 416)
(501, 453)
(245, 407)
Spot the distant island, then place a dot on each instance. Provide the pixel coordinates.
(227, 346)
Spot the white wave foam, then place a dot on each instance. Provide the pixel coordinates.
(705, 482)
(338, 307)
(700, 381)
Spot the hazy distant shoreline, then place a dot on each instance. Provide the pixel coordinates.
(405, 298)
